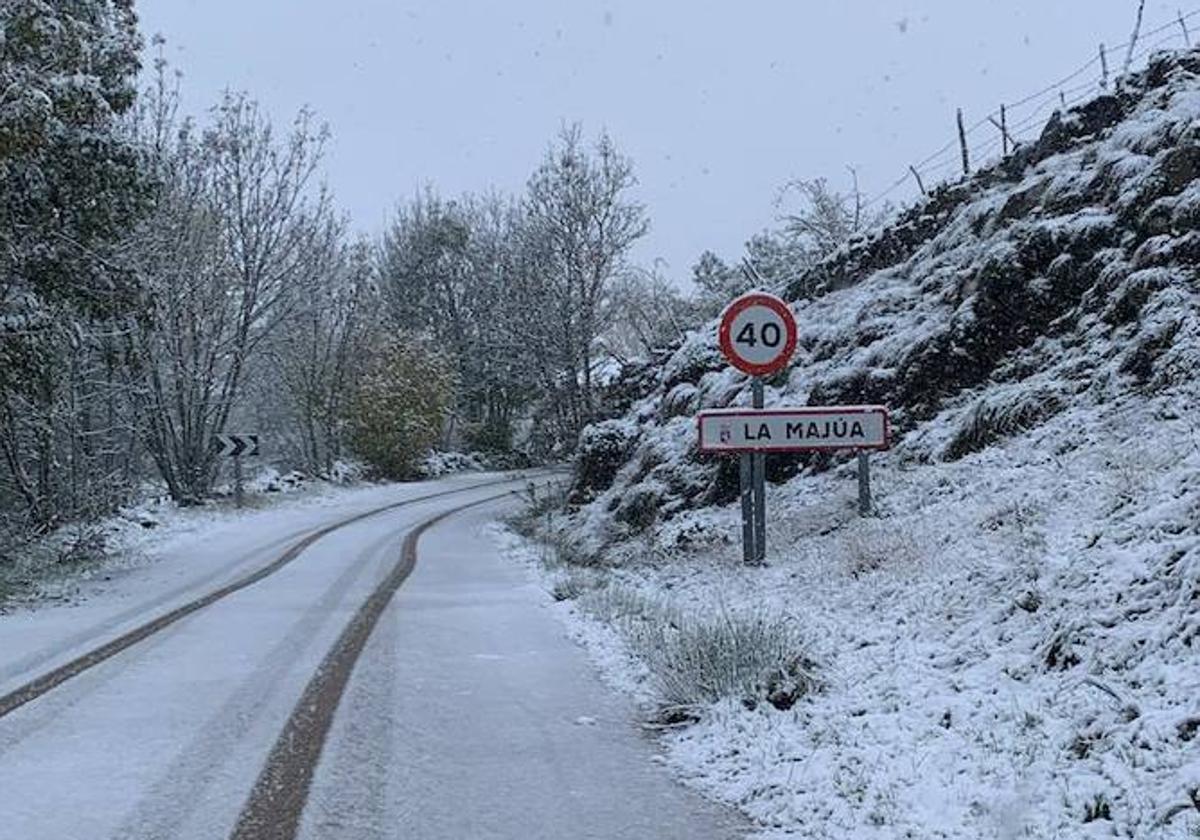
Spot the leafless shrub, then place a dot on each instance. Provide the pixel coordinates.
(574, 582)
(699, 659)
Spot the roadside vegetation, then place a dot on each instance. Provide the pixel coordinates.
(695, 658)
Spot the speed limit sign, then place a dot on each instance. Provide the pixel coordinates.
(758, 334)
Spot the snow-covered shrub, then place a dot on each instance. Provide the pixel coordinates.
(270, 480)
(345, 472)
(747, 656)
(437, 464)
(697, 659)
(697, 356)
(639, 507)
(682, 400)
(1001, 416)
(575, 582)
(603, 449)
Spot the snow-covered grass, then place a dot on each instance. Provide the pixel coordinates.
(748, 655)
(692, 659)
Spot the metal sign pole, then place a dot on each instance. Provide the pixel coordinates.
(748, 549)
(864, 483)
(758, 336)
(759, 470)
(238, 489)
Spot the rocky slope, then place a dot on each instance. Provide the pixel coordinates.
(1064, 277)
(1011, 646)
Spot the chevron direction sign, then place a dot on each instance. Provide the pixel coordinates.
(237, 445)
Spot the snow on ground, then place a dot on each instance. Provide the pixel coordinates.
(141, 533)
(1009, 650)
(187, 551)
(165, 740)
(145, 532)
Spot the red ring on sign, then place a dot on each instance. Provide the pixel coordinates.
(739, 306)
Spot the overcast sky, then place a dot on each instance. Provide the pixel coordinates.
(719, 104)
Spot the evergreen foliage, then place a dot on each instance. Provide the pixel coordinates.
(396, 414)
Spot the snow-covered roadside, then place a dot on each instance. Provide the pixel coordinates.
(1008, 651)
(189, 550)
(141, 534)
(617, 664)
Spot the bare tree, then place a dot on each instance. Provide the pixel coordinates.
(236, 226)
(646, 313)
(316, 354)
(816, 220)
(579, 225)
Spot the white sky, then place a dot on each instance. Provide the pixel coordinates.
(718, 104)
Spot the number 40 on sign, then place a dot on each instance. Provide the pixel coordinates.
(758, 334)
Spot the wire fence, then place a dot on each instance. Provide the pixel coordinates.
(1000, 131)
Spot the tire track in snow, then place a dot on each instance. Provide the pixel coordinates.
(38, 659)
(36, 688)
(363, 748)
(171, 802)
(276, 803)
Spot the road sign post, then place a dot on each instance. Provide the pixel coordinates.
(758, 336)
(760, 486)
(237, 446)
(864, 483)
(749, 552)
(239, 493)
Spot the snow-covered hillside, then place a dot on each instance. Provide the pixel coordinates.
(1011, 648)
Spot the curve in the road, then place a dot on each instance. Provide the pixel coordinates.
(47, 682)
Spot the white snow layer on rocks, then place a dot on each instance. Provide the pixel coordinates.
(1011, 648)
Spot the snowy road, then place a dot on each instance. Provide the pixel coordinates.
(468, 714)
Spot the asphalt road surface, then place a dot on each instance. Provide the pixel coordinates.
(381, 673)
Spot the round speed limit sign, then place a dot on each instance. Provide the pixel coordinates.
(758, 334)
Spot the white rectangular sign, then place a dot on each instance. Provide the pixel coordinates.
(794, 429)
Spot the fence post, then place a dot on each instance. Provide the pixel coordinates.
(1137, 31)
(917, 175)
(1005, 140)
(962, 141)
(759, 475)
(1103, 68)
(1187, 36)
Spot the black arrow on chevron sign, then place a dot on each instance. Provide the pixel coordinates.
(236, 445)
